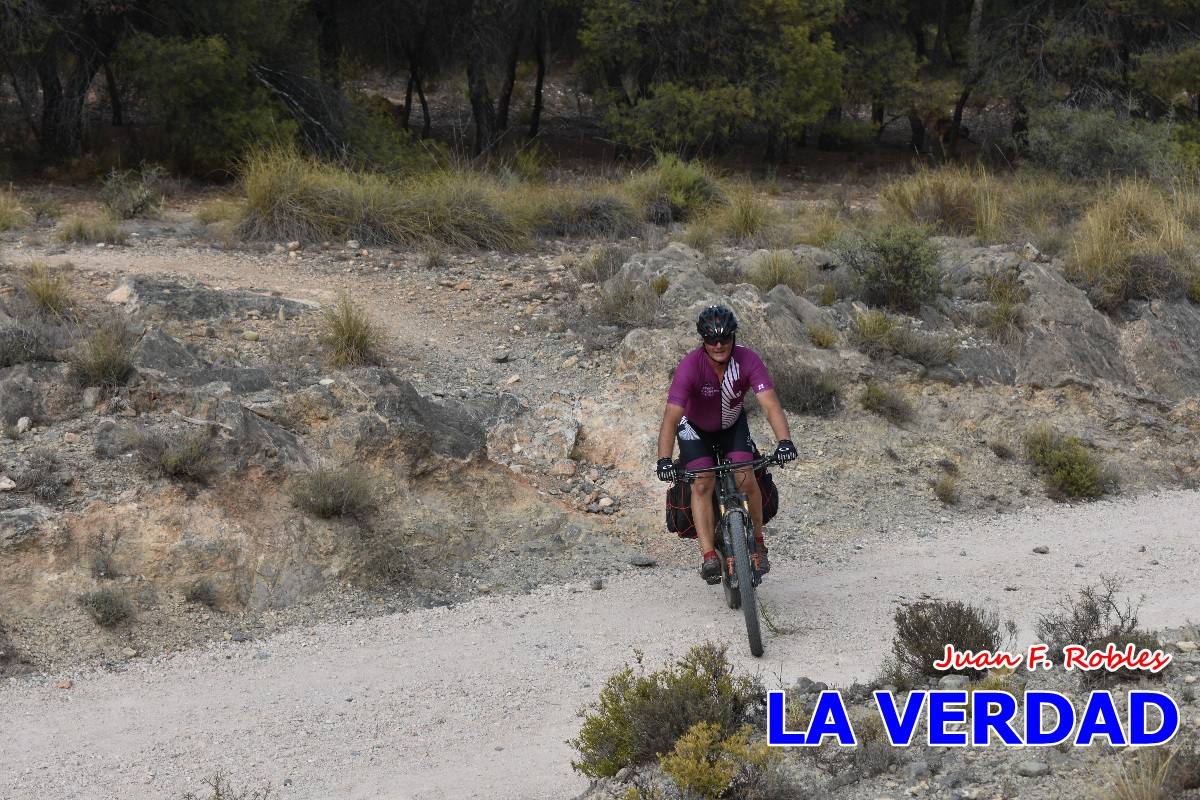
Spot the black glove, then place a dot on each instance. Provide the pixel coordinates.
(785, 451)
(666, 469)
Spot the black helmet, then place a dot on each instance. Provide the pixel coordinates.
(716, 321)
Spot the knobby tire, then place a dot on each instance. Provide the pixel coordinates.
(745, 578)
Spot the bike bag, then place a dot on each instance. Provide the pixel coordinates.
(679, 504)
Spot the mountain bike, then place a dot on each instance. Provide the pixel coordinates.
(735, 540)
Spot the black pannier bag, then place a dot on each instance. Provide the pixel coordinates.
(679, 503)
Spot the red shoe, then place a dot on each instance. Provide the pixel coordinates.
(761, 562)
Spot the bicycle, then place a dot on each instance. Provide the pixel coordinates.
(735, 540)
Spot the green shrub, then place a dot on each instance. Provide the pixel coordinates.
(601, 263)
(48, 290)
(673, 190)
(701, 235)
(92, 229)
(1005, 314)
(189, 454)
(291, 197)
(218, 210)
(640, 715)
(105, 359)
(128, 194)
(587, 214)
(334, 492)
(107, 607)
(873, 331)
(705, 765)
(945, 488)
(1093, 145)
(350, 336)
(1068, 467)
(956, 200)
(887, 403)
(775, 267)
(822, 337)
(679, 118)
(628, 304)
(924, 628)
(807, 391)
(895, 266)
(12, 213)
(927, 349)
(22, 345)
(745, 218)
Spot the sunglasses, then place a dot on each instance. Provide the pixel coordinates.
(722, 339)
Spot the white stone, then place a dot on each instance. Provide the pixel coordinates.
(24, 424)
(327, 381)
(7, 484)
(121, 294)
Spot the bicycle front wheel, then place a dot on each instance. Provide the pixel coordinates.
(745, 578)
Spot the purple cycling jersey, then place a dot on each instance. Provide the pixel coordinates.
(708, 405)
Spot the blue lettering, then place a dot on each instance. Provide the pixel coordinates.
(940, 716)
(1100, 719)
(984, 720)
(1138, 735)
(777, 734)
(900, 728)
(829, 719)
(1064, 722)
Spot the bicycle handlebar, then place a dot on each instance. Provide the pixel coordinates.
(689, 475)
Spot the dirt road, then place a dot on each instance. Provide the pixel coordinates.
(477, 700)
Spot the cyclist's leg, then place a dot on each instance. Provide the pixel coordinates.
(696, 453)
(738, 444)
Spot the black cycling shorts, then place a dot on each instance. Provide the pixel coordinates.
(696, 446)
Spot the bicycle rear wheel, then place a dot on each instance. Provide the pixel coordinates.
(745, 580)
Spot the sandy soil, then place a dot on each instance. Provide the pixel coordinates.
(477, 700)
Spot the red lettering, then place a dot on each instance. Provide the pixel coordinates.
(1073, 657)
(955, 659)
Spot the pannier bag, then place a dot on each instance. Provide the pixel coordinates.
(679, 504)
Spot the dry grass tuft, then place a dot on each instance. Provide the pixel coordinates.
(12, 213)
(350, 335)
(48, 290)
(93, 229)
(774, 267)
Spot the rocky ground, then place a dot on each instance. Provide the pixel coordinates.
(507, 430)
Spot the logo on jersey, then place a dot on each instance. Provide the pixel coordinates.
(760, 387)
(708, 390)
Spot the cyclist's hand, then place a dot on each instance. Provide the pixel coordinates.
(785, 451)
(666, 469)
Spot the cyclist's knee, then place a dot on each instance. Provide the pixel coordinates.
(703, 485)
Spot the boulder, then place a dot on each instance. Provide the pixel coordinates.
(446, 428)
(1065, 340)
(241, 380)
(248, 439)
(676, 262)
(173, 300)
(20, 394)
(803, 309)
(965, 270)
(541, 439)
(1161, 347)
(653, 355)
(978, 362)
(19, 524)
(160, 353)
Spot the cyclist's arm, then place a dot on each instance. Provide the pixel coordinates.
(666, 434)
(775, 416)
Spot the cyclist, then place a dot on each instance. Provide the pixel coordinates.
(704, 408)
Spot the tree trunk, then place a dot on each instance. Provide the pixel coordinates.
(114, 96)
(918, 131)
(481, 104)
(510, 80)
(406, 111)
(956, 123)
(329, 43)
(973, 73)
(539, 52)
(426, 121)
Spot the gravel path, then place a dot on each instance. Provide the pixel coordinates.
(477, 700)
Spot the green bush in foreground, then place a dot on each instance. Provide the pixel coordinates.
(673, 190)
(639, 715)
(894, 266)
(334, 492)
(107, 607)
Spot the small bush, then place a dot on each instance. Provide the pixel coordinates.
(894, 266)
(701, 236)
(945, 488)
(746, 218)
(587, 214)
(673, 190)
(1002, 450)
(1068, 467)
(1094, 145)
(130, 194)
(601, 263)
(807, 391)
(12, 213)
(334, 492)
(628, 305)
(1135, 243)
(350, 336)
(639, 715)
(1005, 316)
(189, 454)
(1094, 617)
(107, 607)
(1152, 773)
(775, 267)
(956, 200)
(219, 210)
(822, 337)
(722, 271)
(48, 290)
(105, 359)
(705, 765)
(829, 295)
(924, 628)
(219, 788)
(95, 229)
(40, 477)
(930, 350)
(820, 227)
(887, 403)
(203, 593)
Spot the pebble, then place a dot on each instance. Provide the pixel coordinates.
(642, 560)
(293, 246)
(606, 502)
(129, 652)
(119, 295)
(502, 357)
(597, 583)
(327, 381)
(512, 379)
(71, 438)
(1032, 769)
(251, 336)
(7, 484)
(91, 397)
(953, 681)
(570, 362)
(1187, 647)
(23, 424)
(1041, 549)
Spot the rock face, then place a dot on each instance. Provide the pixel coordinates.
(18, 524)
(1161, 345)
(1066, 340)
(542, 438)
(20, 394)
(446, 428)
(175, 300)
(676, 262)
(803, 309)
